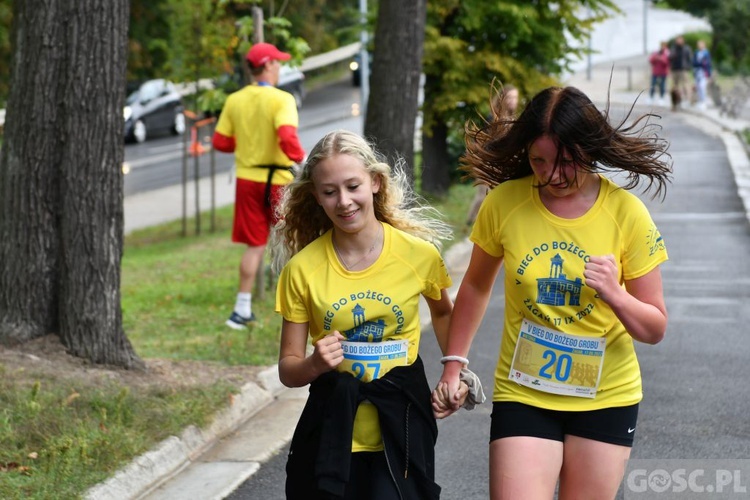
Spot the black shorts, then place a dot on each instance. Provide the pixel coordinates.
(609, 425)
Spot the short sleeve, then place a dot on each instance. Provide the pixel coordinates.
(485, 232)
(224, 126)
(644, 248)
(438, 277)
(291, 294)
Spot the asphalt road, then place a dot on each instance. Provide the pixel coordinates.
(696, 400)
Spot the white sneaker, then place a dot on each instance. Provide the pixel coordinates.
(662, 102)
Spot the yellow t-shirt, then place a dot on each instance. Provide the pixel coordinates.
(252, 116)
(544, 257)
(378, 305)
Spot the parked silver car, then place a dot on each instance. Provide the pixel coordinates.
(155, 107)
(292, 80)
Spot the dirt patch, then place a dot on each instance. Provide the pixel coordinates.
(46, 357)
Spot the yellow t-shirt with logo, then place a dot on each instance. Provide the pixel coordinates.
(378, 305)
(544, 257)
(253, 115)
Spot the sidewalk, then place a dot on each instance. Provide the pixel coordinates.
(211, 463)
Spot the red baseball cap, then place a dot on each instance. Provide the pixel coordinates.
(260, 53)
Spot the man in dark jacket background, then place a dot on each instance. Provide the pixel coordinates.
(681, 64)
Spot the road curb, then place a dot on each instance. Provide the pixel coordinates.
(148, 471)
(739, 159)
(738, 151)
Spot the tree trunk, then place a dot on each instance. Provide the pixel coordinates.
(436, 164)
(61, 199)
(396, 69)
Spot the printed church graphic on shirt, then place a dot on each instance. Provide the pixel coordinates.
(364, 331)
(553, 290)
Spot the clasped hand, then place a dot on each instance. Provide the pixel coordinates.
(448, 397)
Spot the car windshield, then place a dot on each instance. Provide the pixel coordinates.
(289, 74)
(146, 92)
(133, 97)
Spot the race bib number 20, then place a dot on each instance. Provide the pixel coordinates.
(371, 360)
(558, 363)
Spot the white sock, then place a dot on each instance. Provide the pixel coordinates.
(243, 305)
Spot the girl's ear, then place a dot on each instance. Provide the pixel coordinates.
(376, 181)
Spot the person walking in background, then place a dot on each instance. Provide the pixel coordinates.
(680, 64)
(505, 104)
(659, 62)
(259, 125)
(702, 71)
(356, 252)
(582, 284)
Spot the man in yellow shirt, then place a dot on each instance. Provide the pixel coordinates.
(259, 125)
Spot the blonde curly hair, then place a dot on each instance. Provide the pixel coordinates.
(302, 220)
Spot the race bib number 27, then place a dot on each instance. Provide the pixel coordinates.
(558, 363)
(371, 360)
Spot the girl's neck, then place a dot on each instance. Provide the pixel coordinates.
(576, 204)
(357, 251)
(359, 240)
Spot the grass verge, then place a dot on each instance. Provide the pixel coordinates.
(177, 292)
(61, 435)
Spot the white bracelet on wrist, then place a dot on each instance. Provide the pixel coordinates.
(452, 357)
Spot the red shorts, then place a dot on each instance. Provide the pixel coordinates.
(253, 219)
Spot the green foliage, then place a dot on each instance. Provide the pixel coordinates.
(148, 39)
(199, 36)
(471, 43)
(217, 41)
(212, 100)
(730, 49)
(277, 31)
(325, 25)
(185, 40)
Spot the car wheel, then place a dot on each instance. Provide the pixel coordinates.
(139, 131)
(178, 128)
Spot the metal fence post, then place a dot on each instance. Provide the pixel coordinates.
(184, 181)
(213, 182)
(196, 177)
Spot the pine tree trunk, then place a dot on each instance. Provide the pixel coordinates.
(61, 201)
(396, 70)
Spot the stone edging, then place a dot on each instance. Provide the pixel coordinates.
(146, 472)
